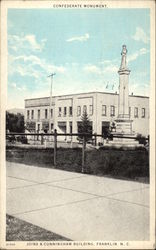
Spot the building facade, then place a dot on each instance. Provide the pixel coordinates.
(102, 108)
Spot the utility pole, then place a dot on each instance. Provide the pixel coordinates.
(50, 105)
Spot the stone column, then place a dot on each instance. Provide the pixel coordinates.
(123, 93)
(97, 123)
(123, 122)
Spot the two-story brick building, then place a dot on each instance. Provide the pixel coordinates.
(66, 111)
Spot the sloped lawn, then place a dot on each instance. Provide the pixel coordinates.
(116, 163)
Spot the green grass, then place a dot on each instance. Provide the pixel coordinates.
(123, 164)
(19, 230)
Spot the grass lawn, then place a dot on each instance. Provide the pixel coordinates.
(19, 230)
(116, 163)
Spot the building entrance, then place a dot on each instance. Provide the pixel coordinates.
(105, 128)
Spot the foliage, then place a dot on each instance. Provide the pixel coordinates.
(22, 139)
(141, 139)
(85, 125)
(14, 123)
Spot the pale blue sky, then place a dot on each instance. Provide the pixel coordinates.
(83, 48)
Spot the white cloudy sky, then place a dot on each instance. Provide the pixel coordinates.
(83, 48)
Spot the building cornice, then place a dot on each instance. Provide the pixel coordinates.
(86, 93)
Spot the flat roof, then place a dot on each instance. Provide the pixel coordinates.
(85, 94)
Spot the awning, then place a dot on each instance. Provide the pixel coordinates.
(62, 124)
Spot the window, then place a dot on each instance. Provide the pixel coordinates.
(28, 114)
(129, 111)
(32, 114)
(38, 115)
(90, 109)
(78, 110)
(65, 111)
(112, 111)
(104, 110)
(70, 111)
(135, 112)
(84, 108)
(51, 113)
(143, 112)
(59, 111)
(46, 113)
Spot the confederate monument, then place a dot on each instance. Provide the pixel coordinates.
(123, 122)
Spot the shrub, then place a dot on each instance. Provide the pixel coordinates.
(141, 139)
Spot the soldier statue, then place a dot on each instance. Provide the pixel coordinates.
(123, 60)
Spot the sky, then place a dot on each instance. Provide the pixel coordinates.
(82, 46)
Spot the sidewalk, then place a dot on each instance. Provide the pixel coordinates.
(78, 206)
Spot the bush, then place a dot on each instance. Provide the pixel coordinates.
(14, 123)
(22, 139)
(11, 138)
(141, 139)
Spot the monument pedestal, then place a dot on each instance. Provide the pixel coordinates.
(124, 126)
(124, 129)
(125, 143)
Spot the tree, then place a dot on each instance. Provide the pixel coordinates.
(14, 123)
(85, 126)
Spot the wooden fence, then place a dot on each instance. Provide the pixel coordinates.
(84, 137)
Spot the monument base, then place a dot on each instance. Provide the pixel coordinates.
(124, 129)
(129, 142)
(120, 139)
(124, 126)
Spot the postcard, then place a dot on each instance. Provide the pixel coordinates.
(77, 124)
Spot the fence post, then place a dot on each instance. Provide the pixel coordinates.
(71, 143)
(45, 145)
(41, 139)
(95, 139)
(83, 154)
(55, 146)
(148, 139)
